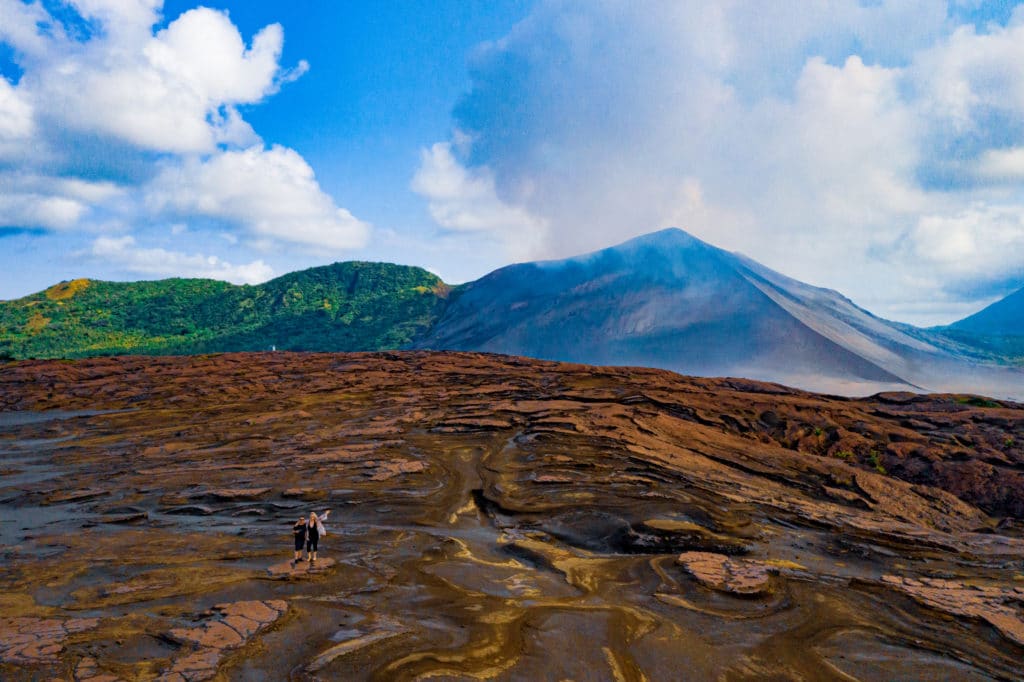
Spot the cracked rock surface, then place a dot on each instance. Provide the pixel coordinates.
(223, 628)
(38, 640)
(498, 518)
(718, 572)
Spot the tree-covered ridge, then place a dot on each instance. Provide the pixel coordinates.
(339, 307)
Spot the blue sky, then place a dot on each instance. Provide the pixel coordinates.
(875, 147)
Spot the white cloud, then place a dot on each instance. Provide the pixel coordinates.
(123, 18)
(157, 111)
(124, 253)
(967, 75)
(19, 26)
(979, 238)
(175, 91)
(1003, 164)
(831, 141)
(28, 199)
(272, 193)
(16, 123)
(15, 113)
(41, 210)
(465, 200)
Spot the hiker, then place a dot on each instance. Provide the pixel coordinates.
(299, 532)
(314, 529)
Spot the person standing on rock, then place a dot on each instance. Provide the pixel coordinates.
(299, 531)
(314, 530)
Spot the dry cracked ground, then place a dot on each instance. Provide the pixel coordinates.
(499, 518)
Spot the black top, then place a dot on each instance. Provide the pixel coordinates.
(299, 530)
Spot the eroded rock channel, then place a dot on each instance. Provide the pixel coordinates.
(498, 518)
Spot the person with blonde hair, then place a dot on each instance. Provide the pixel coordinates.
(299, 531)
(314, 530)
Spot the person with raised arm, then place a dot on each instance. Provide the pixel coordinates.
(314, 531)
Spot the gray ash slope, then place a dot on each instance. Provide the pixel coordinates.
(672, 301)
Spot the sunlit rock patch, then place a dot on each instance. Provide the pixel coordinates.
(38, 640)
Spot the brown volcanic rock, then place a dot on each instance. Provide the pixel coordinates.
(38, 640)
(969, 447)
(225, 627)
(228, 626)
(87, 670)
(302, 569)
(488, 513)
(194, 666)
(999, 606)
(718, 572)
(238, 493)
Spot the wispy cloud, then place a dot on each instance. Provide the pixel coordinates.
(125, 254)
(465, 200)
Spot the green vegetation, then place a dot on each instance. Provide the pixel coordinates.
(876, 461)
(341, 307)
(1000, 348)
(1008, 442)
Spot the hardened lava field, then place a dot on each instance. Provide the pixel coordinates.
(498, 518)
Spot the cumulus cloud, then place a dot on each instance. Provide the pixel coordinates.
(836, 142)
(465, 200)
(270, 192)
(124, 253)
(177, 94)
(112, 121)
(175, 91)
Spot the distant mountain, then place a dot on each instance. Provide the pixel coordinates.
(663, 300)
(672, 301)
(1004, 317)
(345, 306)
(996, 332)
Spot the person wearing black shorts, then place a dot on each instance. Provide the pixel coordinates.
(299, 531)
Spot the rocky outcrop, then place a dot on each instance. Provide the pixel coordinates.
(38, 640)
(287, 570)
(735, 576)
(999, 606)
(87, 670)
(222, 629)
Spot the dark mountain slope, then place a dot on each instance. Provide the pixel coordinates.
(1004, 317)
(994, 334)
(665, 299)
(670, 300)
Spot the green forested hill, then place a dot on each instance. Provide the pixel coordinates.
(340, 307)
